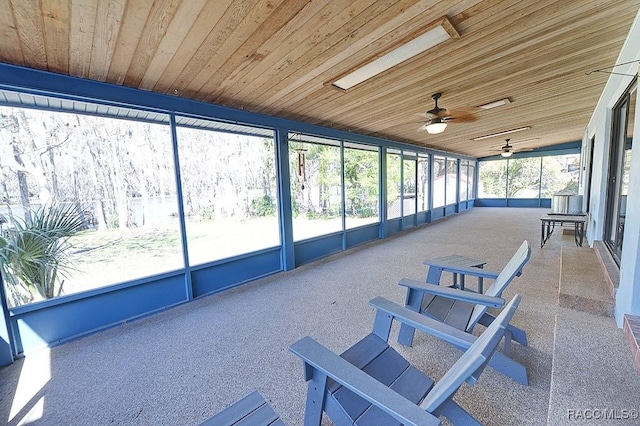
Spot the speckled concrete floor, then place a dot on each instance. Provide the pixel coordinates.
(181, 366)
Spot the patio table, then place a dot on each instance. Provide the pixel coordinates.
(548, 224)
(437, 266)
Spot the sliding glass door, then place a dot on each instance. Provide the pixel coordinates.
(619, 167)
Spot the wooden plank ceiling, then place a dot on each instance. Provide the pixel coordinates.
(276, 56)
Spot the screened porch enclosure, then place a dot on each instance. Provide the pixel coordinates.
(176, 199)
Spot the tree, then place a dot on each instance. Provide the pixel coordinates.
(33, 256)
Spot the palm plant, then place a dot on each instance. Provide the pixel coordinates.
(34, 256)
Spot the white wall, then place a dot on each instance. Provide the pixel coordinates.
(628, 295)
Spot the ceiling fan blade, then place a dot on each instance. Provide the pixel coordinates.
(422, 128)
(463, 116)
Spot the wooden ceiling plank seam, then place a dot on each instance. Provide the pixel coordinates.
(82, 26)
(109, 17)
(253, 21)
(245, 55)
(341, 110)
(444, 53)
(526, 17)
(331, 58)
(538, 77)
(292, 52)
(155, 28)
(344, 52)
(307, 17)
(55, 23)
(11, 47)
(179, 27)
(28, 21)
(134, 22)
(195, 48)
(335, 23)
(187, 82)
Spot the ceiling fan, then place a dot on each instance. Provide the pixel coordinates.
(437, 117)
(507, 149)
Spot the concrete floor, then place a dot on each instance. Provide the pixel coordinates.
(181, 366)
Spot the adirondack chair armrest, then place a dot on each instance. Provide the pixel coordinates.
(476, 272)
(453, 293)
(427, 325)
(323, 360)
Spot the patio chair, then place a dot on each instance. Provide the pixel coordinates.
(463, 310)
(371, 383)
(252, 410)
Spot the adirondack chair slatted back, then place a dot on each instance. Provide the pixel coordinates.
(471, 364)
(508, 273)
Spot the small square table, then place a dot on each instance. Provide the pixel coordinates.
(453, 261)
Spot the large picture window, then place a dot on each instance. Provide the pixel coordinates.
(493, 179)
(229, 191)
(361, 185)
(524, 178)
(316, 188)
(439, 176)
(409, 165)
(87, 201)
(452, 180)
(464, 170)
(560, 173)
(423, 182)
(394, 166)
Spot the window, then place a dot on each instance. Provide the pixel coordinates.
(619, 168)
(493, 179)
(524, 177)
(423, 182)
(316, 188)
(464, 165)
(439, 175)
(409, 165)
(560, 173)
(229, 191)
(394, 165)
(361, 185)
(452, 180)
(471, 188)
(106, 184)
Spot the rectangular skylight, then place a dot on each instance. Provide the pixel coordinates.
(440, 33)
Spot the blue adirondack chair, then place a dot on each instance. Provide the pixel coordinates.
(252, 410)
(371, 383)
(463, 310)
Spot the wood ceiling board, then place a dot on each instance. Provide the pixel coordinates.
(108, 19)
(210, 30)
(130, 38)
(56, 26)
(182, 22)
(11, 47)
(275, 57)
(28, 22)
(83, 21)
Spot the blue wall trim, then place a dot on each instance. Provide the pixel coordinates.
(318, 247)
(213, 278)
(513, 202)
(52, 324)
(363, 234)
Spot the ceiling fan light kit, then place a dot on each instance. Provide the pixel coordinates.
(506, 154)
(439, 117)
(437, 125)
